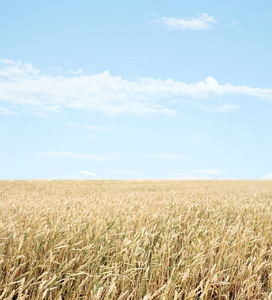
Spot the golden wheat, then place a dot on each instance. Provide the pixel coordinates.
(135, 240)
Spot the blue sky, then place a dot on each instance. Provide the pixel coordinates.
(135, 89)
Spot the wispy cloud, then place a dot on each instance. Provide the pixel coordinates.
(89, 174)
(77, 72)
(11, 70)
(220, 107)
(96, 129)
(201, 22)
(24, 86)
(267, 177)
(73, 155)
(225, 107)
(6, 111)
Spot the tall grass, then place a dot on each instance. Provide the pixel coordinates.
(135, 240)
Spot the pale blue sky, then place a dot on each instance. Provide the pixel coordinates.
(135, 89)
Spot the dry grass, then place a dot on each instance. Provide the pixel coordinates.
(135, 240)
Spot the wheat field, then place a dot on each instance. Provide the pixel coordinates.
(135, 240)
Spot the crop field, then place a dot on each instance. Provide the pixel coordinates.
(135, 240)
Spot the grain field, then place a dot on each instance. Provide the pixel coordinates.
(135, 240)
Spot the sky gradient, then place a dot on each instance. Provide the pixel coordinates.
(135, 89)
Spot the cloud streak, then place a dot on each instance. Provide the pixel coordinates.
(6, 111)
(267, 177)
(89, 174)
(201, 22)
(23, 86)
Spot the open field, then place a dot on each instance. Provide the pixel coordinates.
(136, 240)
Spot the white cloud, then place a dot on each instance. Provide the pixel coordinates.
(89, 174)
(73, 155)
(77, 72)
(225, 107)
(17, 70)
(6, 111)
(168, 156)
(201, 22)
(196, 104)
(24, 86)
(267, 177)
